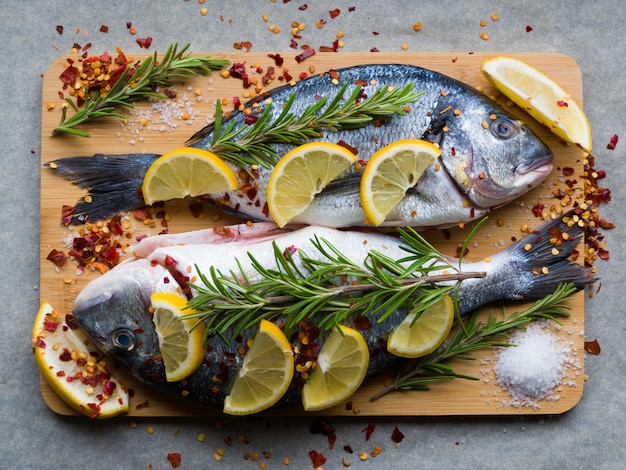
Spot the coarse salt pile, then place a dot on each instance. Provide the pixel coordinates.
(532, 369)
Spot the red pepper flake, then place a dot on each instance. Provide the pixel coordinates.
(568, 171)
(368, 430)
(289, 252)
(375, 33)
(611, 145)
(397, 435)
(69, 75)
(278, 59)
(57, 257)
(59, 29)
(593, 347)
(344, 144)
(145, 42)
(537, 209)
(303, 7)
(603, 254)
(145, 404)
(334, 13)
(374, 49)
(104, 28)
(351, 9)
(316, 458)
(362, 323)
(562, 104)
(174, 458)
(529, 28)
(323, 427)
(40, 343)
(305, 55)
(247, 45)
(348, 449)
(349, 405)
(129, 25)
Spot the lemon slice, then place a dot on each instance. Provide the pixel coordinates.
(182, 350)
(186, 172)
(339, 370)
(265, 374)
(541, 97)
(301, 174)
(426, 334)
(390, 172)
(80, 379)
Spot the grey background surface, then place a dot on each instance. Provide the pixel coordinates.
(589, 436)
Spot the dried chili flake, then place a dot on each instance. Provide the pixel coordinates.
(568, 171)
(129, 25)
(348, 449)
(529, 28)
(316, 458)
(303, 7)
(374, 49)
(59, 29)
(562, 104)
(613, 142)
(293, 44)
(323, 427)
(368, 430)
(334, 13)
(145, 404)
(375, 33)
(247, 45)
(286, 75)
(397, 435)
(278, 59)
(305, 55)
(593, 347)
(69, 75)
(174, 459)
(537, 209)
(57, 257)
(104, 28)
(144, 42)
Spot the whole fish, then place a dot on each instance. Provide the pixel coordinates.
(488, 157)
(114, 308)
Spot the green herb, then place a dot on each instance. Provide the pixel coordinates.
(325, 288)
(250, 144)
(433, 368)
(137, 86)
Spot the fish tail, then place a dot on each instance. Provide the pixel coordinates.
(531, 268)
(547, 257)
(113, 183)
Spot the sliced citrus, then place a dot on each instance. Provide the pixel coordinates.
(390, 172)
(541, 97)
(186, 172)
(416, 338)
(181, 347)
(301, 174)
(265, 374)
(80, 379)
(339, 370)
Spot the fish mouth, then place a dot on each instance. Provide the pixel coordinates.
(535, 172)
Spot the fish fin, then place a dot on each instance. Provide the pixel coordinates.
(113, 182)
(546, 264)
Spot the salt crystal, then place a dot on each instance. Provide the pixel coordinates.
(534, 367)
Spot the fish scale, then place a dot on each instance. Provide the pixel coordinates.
(488, 157)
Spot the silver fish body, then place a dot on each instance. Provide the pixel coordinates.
(488, 157)
(114, 308)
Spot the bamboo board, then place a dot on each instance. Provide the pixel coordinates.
(460, 397)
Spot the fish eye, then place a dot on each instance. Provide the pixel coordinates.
(502, 127)
(123, 339)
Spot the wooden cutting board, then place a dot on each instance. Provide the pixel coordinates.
(460, 397)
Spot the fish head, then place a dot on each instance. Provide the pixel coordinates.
(492, 156)
(114, 311)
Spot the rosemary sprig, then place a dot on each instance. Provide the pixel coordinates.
(476, 335)
(250, 144)
(325, 288)
(139, 85)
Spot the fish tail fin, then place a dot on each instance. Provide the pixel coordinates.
(546, 258)
(113, 182)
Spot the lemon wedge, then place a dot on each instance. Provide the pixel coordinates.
(80, 379)
(426, 334)
(390, 172)
(181, 348)
(186, 172)
(301, 174)
(339, 370)
(265, 374)
(541, 97)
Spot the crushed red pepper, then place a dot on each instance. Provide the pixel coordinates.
(593, 347)
(612, 143)
(369, 430)
(316, 458)
(174, 458)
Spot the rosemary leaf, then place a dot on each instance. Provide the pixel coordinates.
(138, 85)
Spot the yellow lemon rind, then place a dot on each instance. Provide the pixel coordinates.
(112, 406)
